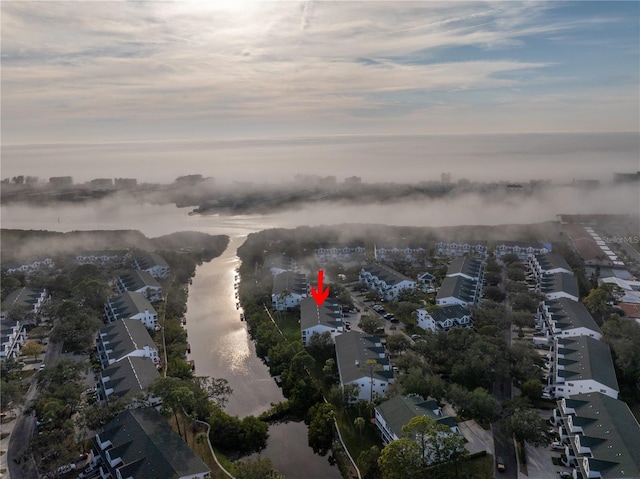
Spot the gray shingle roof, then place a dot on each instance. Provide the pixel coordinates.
(280, 261)
(328, 314)
(289, 281)
(386, 274)
(26, 297)
(130, 376)
(149, 260)
(149, 448)
(454, 311)
(126, 336)
(549, 261)
(457, 287)
(559, 282)
(130, 303)
(399, 410)
(353, 349)
(135, 279)
(587, 358)
(614, 433)
(465, 265)
(570, 314)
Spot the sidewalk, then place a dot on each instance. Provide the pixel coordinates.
(6, 428)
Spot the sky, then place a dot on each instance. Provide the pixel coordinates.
(114, 78)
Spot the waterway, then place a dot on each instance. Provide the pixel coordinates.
(220, 344)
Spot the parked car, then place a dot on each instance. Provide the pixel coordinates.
(415, 336)
(557, 445)
(565, 475)
(66, 469)
(500, 464)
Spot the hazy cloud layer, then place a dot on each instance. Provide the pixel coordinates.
(103, 71)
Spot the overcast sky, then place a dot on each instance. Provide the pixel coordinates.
(103, 72)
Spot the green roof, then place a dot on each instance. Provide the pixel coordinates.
(399, 410)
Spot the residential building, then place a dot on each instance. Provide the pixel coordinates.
(154, 264)
(458, 290)
(453, 248)
(131, 305)
(288, 290)
(630, 289)
(427, 279)
(103, 257)
(125, 183)
(386, 281)
(559, 285)
(140, 443)
(601, 436)
(399, 249)
(102, 183)
(28, 267)
(443, 318)
(522, 249)
(340, 253)
(140, 282)
(124, 338)
(363, 362)
(631, 310)
(466, 267)
(278, 263)
(127, 377)
(327, 318)
(564, 317)
(548, 263)
(23, 302)
(582, 364)
(61, 181)
(12, 337)
(393, 414)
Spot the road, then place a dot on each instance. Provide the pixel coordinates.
(19, 461)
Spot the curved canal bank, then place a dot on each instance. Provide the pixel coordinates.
(221, 348)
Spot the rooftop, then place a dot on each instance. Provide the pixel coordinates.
(586, 358)
(399, 410)
(135, 279)
(25, 297)
(125, 336)
(465, 265)
(457, 287)
(386, 274)
(130, 376)
(616, 450)
(454, 311)
(149, 260)
(148, 447)
(311, 314)
(130, 303)
(353, 350)
(571, 314)
(550, 261)
(559, 282)
(291, 282)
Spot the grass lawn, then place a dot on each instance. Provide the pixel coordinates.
(357, 441)
(287, 321)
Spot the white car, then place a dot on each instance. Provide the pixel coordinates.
(67, 468)
(557, 445)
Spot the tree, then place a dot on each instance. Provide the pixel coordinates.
(32, 348)
(494, 294)
(397, 343)
(321, 346)
(527, 425)
(600, 301)
(258, 468)
(177, 400)
(425, 444)
(532, 388)
(359, 423)
(321, 428)
(370, 324)
(367, 462)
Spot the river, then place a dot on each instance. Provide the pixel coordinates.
(220, 345)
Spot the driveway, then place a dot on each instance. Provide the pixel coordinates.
(539, 464)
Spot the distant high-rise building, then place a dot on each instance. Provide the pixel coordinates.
(61, 181)
(626, 177)
(101, 183)
(353, 181)
(125, 183)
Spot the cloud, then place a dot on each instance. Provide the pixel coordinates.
(105, 70)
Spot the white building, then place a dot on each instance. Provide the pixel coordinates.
(140, 282)
(12, 338)
(521, 248)
(363, 362)
(129, 377)
(548, 263)
(582, 364)
(26, 301)
(288, 290)
(564, 317)
(386, 281)
(340, 253)
(443, 318)
(463, 284)
(453, 248)
(278, 263)
(315, 319)
(393, 414)
(140, 443)
(124, 338)
(601, 436)
(154, 264)
(131, 305)
(630, 289)
(559, 285)
(103, 257)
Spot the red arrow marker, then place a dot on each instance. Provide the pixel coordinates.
(318, 294)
